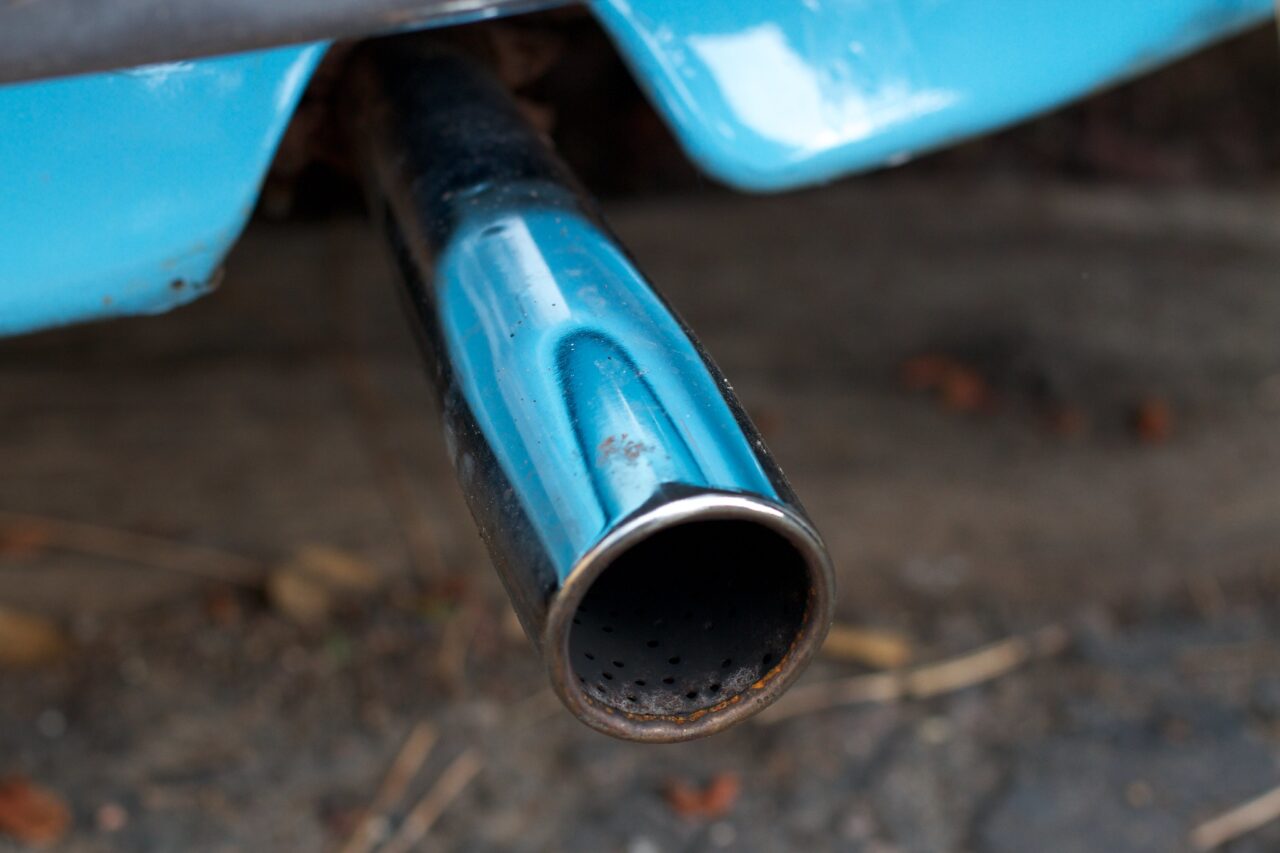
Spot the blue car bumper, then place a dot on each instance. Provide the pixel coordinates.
(121, 192)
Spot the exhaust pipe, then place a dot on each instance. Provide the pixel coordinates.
(652, 549)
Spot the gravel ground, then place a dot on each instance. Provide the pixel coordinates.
(1113, 473)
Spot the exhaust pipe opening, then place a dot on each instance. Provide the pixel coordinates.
(676, 629)
(689, 617)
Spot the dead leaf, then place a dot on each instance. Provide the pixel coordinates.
(964, 390)
(874, 647)
(24, 539)
(309, 585)
(925, 372)
(1153, 421)
(222, 606)
(30, 814)
(299, 596)
(29, 640)
(709, 803)
(335, 568)
(959, 386)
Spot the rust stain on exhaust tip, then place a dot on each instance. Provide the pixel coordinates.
(702, 712)
(617, 446)
(673, 718)
(691, 718)
(769, 676)
(773, 673)
(688, 719)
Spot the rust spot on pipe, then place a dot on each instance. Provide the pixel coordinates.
(617, 446)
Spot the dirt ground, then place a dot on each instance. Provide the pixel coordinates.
(1102, 454)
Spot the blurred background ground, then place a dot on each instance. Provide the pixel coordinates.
(1033, 381)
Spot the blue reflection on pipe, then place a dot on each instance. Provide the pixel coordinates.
(587, 388)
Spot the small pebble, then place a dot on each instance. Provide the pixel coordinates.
(111, 817)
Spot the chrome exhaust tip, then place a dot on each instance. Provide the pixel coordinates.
(651, 547)
(688, 617)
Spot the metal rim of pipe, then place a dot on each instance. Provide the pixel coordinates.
(761, 691)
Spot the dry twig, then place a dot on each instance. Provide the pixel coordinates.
(1243, 819)
(408, 761)
(27, 639)
(710, 802)
(427, 810)
(871, 646)
(455, 644)
(153, 552)
(922, 682)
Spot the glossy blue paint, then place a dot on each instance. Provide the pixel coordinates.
(120, 193)
(772, 94)
(587, 390)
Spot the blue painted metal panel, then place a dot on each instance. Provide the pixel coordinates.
(771, 94)
(120, 193)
